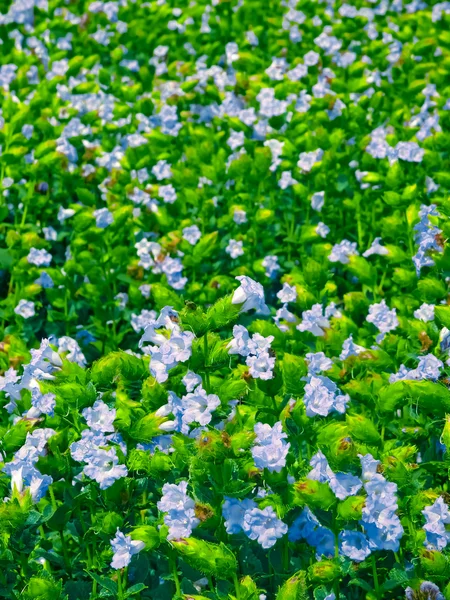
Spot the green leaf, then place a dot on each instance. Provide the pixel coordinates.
(430, 396)
(135, 589)
(222, 314)
(362, 428)
(146, 428)
(293, 368)
(6, 260)
(147, 534)
(295, 588)
(216, 560)
(118, 364)
(105, 582)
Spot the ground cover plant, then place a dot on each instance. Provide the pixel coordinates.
(224, 303)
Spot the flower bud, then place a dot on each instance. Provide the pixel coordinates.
(324, 571)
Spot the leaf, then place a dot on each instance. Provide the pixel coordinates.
(442, 314)
(363, 429)
(360, 583)
(293, 369)
(6, 260)
(147, 534)
(163, 296)
(222, 313)
(109, 368)
(429, 396)
(135, 589)
(146, 428)
(294, 588)
(216, 560)
(105, 582)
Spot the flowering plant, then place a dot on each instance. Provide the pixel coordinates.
(225, 321)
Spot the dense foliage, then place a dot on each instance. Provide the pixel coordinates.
(224, 299)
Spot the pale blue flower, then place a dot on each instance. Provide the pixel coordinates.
(40, 258)
(192, 234)
(354, 545)
(100, 417)
(233, 511)
(124, 549)
(25, 309)
(425, 312)
(264, 526)
(103, 218)
(235, 248)
(103, 466)
(437, 516)
(250, 294)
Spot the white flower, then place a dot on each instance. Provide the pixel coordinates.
(25, 309)
(124, 548)
(376, 248)
(192, 234)
(235, 248)
(317, 201)
(288, 293)
(250, 294)
(425, 312)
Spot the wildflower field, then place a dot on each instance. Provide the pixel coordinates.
(224, 300)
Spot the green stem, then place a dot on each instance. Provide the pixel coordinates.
(237, 587)
(376, 583)
(176, 579)
(52, 498)
(65, 554)
(119, 585)
(205, 350)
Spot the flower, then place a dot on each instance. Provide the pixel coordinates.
(270, 263)
(425, 312)
(317, 362)
(385, 320)
(40, 258)
(323, 396)
(270, 449)
(235, 248)
(124, 549)
(250, 294)
(233, 511)
(354, 545)
(103, 466)
(264, 526)
(192, 234)
(288, 293)
(198, 406)
(437, 516)
(261, 365)
(191, 380)
(317, 201)
(103, 218)
(314, 321)
(342, 251)
(25, 309)
(376, 248)
(100, 417)
(349, 348)
(342, 484)
(179, 508)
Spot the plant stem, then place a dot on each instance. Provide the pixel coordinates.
(237, 586)
(375, 576)
(65, 554)
(119, 585)
(205, 350)
(173, 562)
(52, 498)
